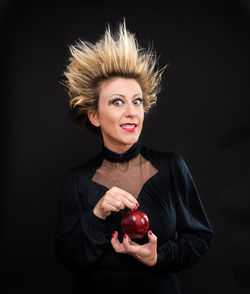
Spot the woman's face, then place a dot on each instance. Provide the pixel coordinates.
(120, 103)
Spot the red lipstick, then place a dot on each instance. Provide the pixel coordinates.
(129, 129)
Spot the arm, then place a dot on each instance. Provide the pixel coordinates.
(194, 233)
(80, 235)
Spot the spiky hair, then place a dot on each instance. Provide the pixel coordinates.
(114, 55)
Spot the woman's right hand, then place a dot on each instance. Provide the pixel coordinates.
(114, 199)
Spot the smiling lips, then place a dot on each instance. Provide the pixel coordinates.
(129, 127)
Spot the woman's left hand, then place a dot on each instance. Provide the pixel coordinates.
(146, 253)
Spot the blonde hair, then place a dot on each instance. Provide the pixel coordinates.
(117, 55)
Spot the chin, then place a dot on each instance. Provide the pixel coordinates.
(122, 140)
(131, 141)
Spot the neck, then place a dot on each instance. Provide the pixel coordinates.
(121, 155)
(119, 149)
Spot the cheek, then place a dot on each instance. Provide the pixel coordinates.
(142, 115)
(110, 118)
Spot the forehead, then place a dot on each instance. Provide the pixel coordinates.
(123, 86)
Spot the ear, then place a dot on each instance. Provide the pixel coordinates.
(93, 117)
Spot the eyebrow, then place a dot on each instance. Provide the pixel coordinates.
(123, 95)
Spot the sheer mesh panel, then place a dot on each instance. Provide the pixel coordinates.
(129, 175)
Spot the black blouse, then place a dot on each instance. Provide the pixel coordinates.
(176, 215)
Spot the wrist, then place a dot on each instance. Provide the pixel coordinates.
(153, 261)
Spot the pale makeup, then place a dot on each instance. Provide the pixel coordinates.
(120, 102)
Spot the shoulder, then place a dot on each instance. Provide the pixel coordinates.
(85, 169)
(170, 161)
(158, 156)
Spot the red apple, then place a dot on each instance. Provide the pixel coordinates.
(135, 224)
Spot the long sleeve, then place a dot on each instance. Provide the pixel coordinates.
(194, 233)
(80, 235)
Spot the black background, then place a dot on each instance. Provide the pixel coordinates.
(203, 110)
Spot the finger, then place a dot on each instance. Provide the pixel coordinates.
(115, 199)
(122, 203)
(126, 243)
(118, 204)
(118, 200)
(127, 195)
(129, 204)
(152, 237)
(107, 207)
(118, 247)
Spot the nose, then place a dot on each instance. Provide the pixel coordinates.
(131, 110)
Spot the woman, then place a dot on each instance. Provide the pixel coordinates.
(111, 84)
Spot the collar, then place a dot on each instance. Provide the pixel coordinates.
(121, 157)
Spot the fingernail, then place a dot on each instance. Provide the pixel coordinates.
(150, 232)
(134, 209)
(113, 236)
(125, 236)
(137, 204)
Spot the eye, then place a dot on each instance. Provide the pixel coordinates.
(116, 102)
(140, 100)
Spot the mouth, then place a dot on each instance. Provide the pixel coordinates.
(129, 127)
